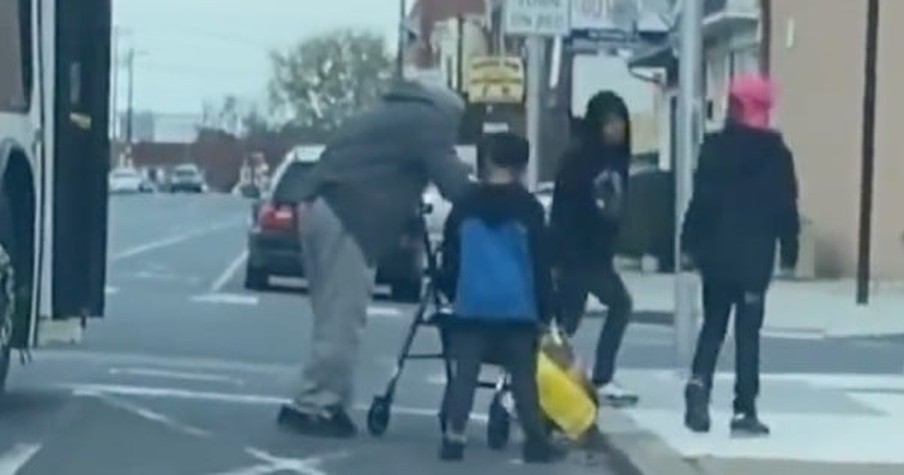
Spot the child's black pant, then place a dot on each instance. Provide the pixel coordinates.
(607, 286)
(516, 348)
(719, 299)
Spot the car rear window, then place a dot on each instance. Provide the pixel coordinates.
(287, 185)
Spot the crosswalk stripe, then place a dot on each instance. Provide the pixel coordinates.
(227, 299)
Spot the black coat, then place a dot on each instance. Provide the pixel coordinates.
(583, 232)
(744, 203)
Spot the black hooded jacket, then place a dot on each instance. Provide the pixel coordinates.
(583, 233)
(496, 204)
(744, 203)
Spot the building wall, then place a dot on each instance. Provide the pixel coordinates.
(817, 58)
(888, 217)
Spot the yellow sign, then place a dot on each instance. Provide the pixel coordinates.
(496, 80)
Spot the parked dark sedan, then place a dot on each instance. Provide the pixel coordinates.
(274, 248)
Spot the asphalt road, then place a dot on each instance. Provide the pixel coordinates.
(186, 373)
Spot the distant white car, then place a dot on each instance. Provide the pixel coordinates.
(125, 181)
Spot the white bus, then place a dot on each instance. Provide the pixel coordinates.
(54, 159)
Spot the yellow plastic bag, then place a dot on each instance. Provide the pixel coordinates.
(563, 392)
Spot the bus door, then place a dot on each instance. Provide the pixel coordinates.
(81, 156)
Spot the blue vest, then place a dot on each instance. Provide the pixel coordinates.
(496, 275)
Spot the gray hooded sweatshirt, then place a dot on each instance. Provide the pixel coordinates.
(374, 170)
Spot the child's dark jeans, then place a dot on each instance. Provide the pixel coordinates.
(516, 348)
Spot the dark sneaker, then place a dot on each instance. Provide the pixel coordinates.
(451, 450)
(748, 425)
(593, 440)
(614, 395)
(542, 452)
(333, 423)
(696, 412)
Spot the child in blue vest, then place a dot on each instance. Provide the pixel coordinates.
(496, 273)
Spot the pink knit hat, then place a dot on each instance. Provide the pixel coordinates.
(754, 95)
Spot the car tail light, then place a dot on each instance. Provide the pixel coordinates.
(276, 217)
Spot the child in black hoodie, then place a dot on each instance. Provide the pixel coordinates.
(587, 208)
(496, 272)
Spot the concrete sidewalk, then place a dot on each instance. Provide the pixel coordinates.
(822, 424)
(807, 309)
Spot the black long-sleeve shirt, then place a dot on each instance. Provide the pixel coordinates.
(497, 204)
(584, 234)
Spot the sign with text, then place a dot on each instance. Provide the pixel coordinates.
(537, 17)
(603, 15)
(591, 14)
(496, 80)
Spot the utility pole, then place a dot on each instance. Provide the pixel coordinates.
(130, 106)
(864, 254)
(400, 57)
(690, 107)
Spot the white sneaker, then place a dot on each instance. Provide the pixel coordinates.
(614, 395)
(508, 402)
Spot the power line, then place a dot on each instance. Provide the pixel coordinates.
(158, 31)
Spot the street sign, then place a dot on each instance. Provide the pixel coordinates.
(496, 80)
(537, 17)
(604, 15)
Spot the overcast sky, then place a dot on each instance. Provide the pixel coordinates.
(196, 50)
(192, 50)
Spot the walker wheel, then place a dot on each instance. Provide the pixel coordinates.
(378, 416)
(498, 425)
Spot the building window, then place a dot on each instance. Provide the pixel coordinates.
(15, 55)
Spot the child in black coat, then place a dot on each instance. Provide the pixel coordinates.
(744, 203)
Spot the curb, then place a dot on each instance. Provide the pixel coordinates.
(633, 451)
(661, 318)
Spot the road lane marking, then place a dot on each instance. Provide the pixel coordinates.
(89, 389)
(226, 299)
(384, 312)
(229, 272)
(172, 240)
(148, 414)
(179, 375)
(14, 459)
(177, 362)
(159, 276)
(110, 290)
(273, 464)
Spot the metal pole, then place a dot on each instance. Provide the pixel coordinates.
(689, 135)
(534, 105)
(460, 54)
(114, 90)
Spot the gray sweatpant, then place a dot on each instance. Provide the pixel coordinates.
(340, 284)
